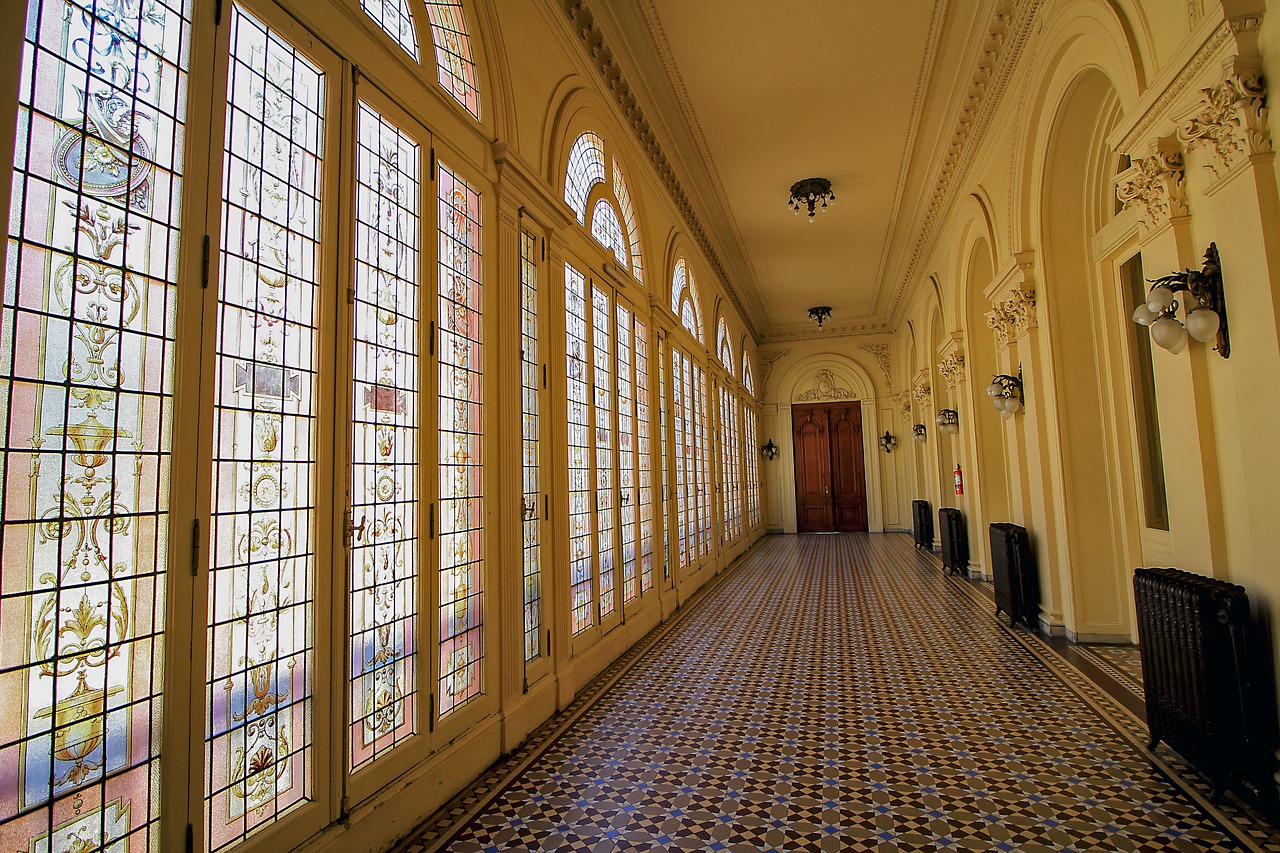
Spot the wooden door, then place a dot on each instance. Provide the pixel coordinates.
(831, 484)
(813, 468)
(848, 476)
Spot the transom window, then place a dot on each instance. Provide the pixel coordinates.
(723, 347)
(684, 299)
(612, 214)
(748, 378)
(396, 20)
(454, 60)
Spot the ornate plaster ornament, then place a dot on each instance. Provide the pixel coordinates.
(1154, 187)
(767, 360)
(881, 352)
(921, 392)
(1020, 310)
(904, 406)
(1230, 122)
(999, 327)
(952, 369)
(825, 388)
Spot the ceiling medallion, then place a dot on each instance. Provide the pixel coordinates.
(809, 192)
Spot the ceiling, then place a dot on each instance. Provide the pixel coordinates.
(757, 94)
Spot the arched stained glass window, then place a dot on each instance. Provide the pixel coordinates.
(453, 52)
(723, 347)
(608, 231)
(748, 378)
(684, 299)
(585, 170)
(623, 194)
(396, 20)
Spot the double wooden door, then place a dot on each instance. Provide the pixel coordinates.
(831, 483)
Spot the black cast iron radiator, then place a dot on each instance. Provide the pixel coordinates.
(1207, 694)
(1014, 574)
(955, 541)
(922, 524)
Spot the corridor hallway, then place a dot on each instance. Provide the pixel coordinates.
(838, 692)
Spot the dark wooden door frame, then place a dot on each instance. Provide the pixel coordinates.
(830, 467)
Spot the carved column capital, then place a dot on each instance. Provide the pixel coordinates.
(1019, 310)
(904, 406)
(952, 369)
(1229, 122)
(999, 327)
(921, 392)
(1154, 186)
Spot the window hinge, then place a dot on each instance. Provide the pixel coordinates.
(195, 546)
(431, 714)
(544, 377)
(431, 338)
(217, 13)
(191, 838)
(544, 248)
(548, 642)
(433, 163)
(546, 506)
(432, 521)
(204, 263)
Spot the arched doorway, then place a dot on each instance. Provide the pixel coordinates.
(830, 471)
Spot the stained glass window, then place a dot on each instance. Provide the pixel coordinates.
(581, 490)
(684, 299)
(531, 410)
(602, 385)
(585, 169)
(748, 378)
(384, 440)
(454, 59)
(259, 756)
(723, 347)
(702, 450)
(396, 20)
(683, 458)
(461, 392)
(86, 384)
(751, 461)
(730, 470)
(608, 232)
(626, 456)
(644, 465)
(623, 194)
(665, 459)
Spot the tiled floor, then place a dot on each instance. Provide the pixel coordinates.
(839, 693)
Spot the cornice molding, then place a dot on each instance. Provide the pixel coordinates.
(602, 57)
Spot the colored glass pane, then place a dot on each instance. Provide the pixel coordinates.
(682, 458)
(644, 465)
(384, 440)
(262, 545)
(702, 449)
(626, 456)
(623, 194)
(748, 377)
(86, 384)
(602, 386)
(608, 232)
(396, 21)
(723, 348)
(585, 169)
(454, 60)
(730, 496)
(752, 463)
(581, 549)
(664, 457)
(460, 430)
(684, 299)
(531, 412)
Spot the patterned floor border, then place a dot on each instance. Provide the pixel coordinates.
(1235, 818)
(438, 831)
(1101, 658)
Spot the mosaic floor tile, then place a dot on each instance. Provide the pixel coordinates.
(839, 693)
(1123, 663)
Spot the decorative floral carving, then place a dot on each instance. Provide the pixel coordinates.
(825, 388)
(881, 352)
(1154, 187)
(904, 405)
(952, 369)
(921, 392)
(1230, 121)
(999, 327)
(1020, 310)
(767, 361)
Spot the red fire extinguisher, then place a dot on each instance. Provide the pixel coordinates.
(959, 480)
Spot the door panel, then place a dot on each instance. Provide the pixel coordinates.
(813, 469)
(848, 483)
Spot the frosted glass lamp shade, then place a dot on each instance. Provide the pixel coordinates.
(1012, 404)
(1203, 323)
(1006, 414)
(1159, 299)
(1168, 333)
(993, 390)
(1144, 316)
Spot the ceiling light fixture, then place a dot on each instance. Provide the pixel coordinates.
(820, 314)
(809, 192)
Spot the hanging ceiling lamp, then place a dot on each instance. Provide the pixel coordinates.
(808, 193)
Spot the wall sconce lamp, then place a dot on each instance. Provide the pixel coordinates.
(888, 441)
(1005, 392)
(918, 433)
(820, 314)
(769, 451)
(948, 421)
(1206, 320)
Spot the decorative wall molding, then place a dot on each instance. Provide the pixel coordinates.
(881, 353)
(999, 327)
(768, 358)
(603, 59)
(922, 392)
(825, 387)
(952, 369)
(904, 406)
(1020, 310)
(1230, 122)
(1154, 186)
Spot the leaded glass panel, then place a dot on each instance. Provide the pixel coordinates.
(531, 413)
(384, 440)
(396, 21)
(679, 413)
(608, 232)
(748, 378)
(751, 461)
(644, 465)
(702, 449)
(581, 490)
(585, 169)
(258, 754)
(665, 458)
(602, 386)
(86, 384)
(454, 60)
(461, 406)
(626, 456)
(723, 347)
(623, 194)
(730, 496)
